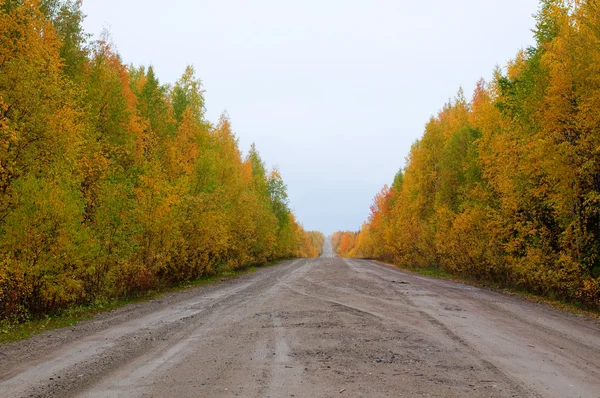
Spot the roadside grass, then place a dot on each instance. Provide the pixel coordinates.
(569, 306)
(434, 272)
(16, 331)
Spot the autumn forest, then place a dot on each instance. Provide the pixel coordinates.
(504, 187)
(112, 183)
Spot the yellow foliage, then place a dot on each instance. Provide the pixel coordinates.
(113, 184)
(507, 187)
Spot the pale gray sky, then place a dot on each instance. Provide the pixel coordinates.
(333, 92)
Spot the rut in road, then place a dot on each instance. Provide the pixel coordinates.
(313, 328)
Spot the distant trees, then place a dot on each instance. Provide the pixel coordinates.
(112, 183)
(317, 240)
(506, 187)
(344, 242)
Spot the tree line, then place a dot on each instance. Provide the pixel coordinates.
(112, 183)
(505, 187)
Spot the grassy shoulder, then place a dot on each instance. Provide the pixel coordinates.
(572, 307)
(10, 332)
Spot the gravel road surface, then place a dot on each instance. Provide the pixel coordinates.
(326, 327)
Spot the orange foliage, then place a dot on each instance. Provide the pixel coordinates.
(113, 184)
(506, 187)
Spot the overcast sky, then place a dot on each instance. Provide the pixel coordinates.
(333, 92)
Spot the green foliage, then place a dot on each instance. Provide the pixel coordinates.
(188, 95)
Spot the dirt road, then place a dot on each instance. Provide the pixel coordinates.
(326, 327)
